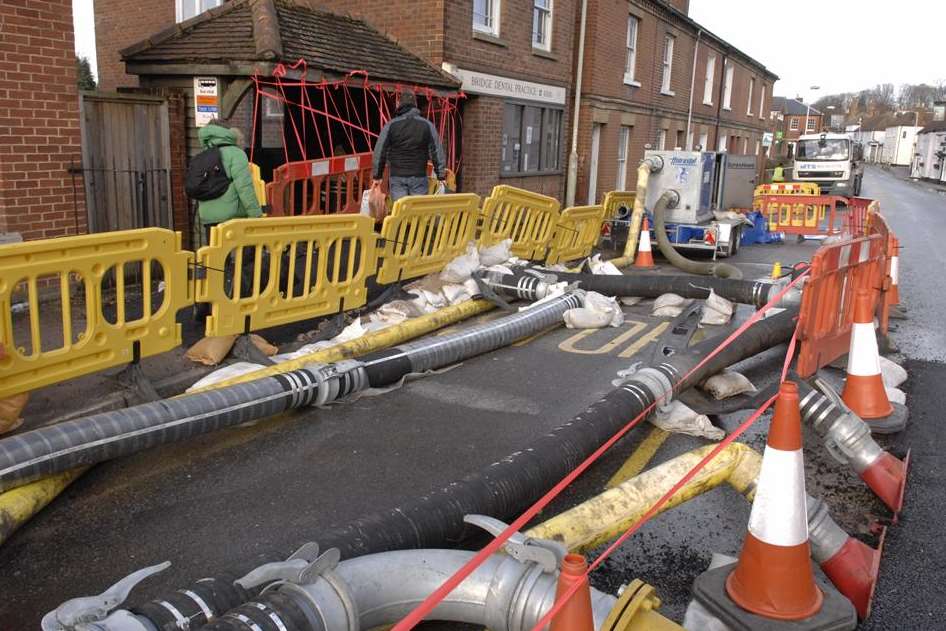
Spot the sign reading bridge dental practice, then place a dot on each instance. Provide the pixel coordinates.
(494, 85)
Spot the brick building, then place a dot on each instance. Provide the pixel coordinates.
(636, 91)
(790, 119)
(39, 122)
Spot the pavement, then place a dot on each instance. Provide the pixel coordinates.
(230, 500)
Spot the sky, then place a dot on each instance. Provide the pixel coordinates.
(839, 45)
(83, 19)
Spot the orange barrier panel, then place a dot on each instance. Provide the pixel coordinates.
(827, 307)
(320, 187)
(875, 224)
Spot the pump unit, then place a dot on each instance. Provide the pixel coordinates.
(693, 175)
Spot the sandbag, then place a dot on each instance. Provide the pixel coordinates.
(496, 254)
(716, 310)
(669, 306)
(462, 267)
(896, 395)
(606, 268)
(210, 351)
(677, 417)
(10, 409)
(727, 384)
(598, 311)
(893, 373)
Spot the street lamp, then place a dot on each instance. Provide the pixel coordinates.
(808, 113)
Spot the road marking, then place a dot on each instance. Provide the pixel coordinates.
(640, 458)
(644, 340)
(569, 345)
(532, 338)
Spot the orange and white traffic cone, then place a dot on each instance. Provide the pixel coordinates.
(864, 390)
(645, 258)
(850, 565)
(774, 578)
(576, 614)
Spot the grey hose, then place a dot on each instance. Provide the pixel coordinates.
(714, 268)
(48, 450)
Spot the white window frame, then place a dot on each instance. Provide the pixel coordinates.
(723, 145)
(667, 65)
(709, 80)
(494, 7)
(179, 8)
(728, 74)
(630, 57)
(794, 124)
(745, 145)
(547, 12)
(762, 103)
(758, 146)
(272, 108)
(704, 141)
(624, 141)
(661, 139)
(811, 125)
(749, 100)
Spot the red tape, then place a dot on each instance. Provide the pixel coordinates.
(418, 613)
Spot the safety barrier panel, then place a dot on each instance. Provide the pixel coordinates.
(810, 215)
(422, 234)
(576, 233)
(614, 201)
(827, 307)
(875, 224)
(101, 322)
(320, 187)
(527, 218)
(787, 188)
(270, 271)
(259, 186)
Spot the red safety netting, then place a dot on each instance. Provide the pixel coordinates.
(345, 116)
(417, 615)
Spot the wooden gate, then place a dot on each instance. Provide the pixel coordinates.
(126, 161)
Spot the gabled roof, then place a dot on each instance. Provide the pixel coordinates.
(793, 107)
(242, 33)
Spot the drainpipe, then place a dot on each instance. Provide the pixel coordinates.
(696, 50)
(571, 182)
(719, 98)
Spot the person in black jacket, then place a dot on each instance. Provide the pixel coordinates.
(405, 144)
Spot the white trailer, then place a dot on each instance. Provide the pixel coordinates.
(898, 145)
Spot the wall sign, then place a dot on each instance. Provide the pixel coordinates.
(206, 100)
(495, 85)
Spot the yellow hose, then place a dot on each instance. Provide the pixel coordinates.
(18, 505)
(606, 516)
(637, 216)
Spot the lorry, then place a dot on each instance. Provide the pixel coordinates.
(832, 161)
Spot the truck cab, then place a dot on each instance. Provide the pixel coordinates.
(832, 161)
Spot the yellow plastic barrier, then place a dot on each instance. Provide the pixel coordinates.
(787, 188)
(258, 184)
(575, 235)
(424, 233)
(615, 200)
(101, 321)
(265, 272)
(527, 218)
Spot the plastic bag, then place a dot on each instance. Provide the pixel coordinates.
(230, 371)
(377, 202)
(496, 254)
(680, 419)
(727, 384)
(717, 310)
(600, 267)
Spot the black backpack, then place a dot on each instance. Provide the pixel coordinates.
(206, 178)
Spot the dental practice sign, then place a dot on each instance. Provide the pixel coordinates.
(495, 85)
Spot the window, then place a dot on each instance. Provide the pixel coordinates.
(762, 101)
(661, 139)
(704, 141)
(542, 24)
(812, 124)
(272, 108)
(727, 90)
(679, 144)
(623, 141)
(749, 100)
(708, 82)
(186, 9)
(531, 140)
(486, 16)
(745, 145)
(667, 65)
(723, 142)
(793, 124)
(593, 167)
(758, 146)
(630, 59)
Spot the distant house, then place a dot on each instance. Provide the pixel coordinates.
(790, 118)
(872, 140)
(899, 144)
(929, 161)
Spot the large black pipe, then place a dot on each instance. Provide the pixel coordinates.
(505, 488)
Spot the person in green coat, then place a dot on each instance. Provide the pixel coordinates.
(240, 198)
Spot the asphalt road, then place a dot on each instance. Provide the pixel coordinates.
(226, 502)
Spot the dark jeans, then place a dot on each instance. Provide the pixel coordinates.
(404, 186)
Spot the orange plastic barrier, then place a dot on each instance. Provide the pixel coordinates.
(320, 187)
(827, 307)
(876, 225)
